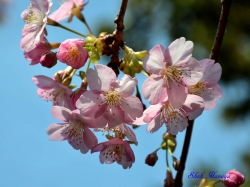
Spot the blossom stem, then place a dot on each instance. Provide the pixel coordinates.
(226, 4)
(56, 24)
(88, 65)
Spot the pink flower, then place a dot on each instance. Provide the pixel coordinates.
(36, 18)
(207, 87)
(35, 54)
(71, 52)
(65, 10)
(235, 179)
(50, 90)
(175, 119)
(76, 130)
(110, 99)
(115, 150)
(172, 71)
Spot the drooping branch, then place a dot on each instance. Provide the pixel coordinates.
(226, 4)
(118, 34)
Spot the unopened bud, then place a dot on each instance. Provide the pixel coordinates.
(48, 59)
(234, 179)
(169, 181)
(67, 81)
(151, 159)
(141, 54)
(176, 163)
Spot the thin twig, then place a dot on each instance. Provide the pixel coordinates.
(118, 34)
(226, 4)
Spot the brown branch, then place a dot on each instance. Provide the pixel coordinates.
(226, 4)
(118, 34)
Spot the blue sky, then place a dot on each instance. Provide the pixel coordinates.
(27, 156)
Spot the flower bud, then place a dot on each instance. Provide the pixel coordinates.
(176, 163)
(48, 59)
(151, 159)
(141, 54)
(169, 181)
(235, 179)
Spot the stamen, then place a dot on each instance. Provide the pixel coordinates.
(73, 55)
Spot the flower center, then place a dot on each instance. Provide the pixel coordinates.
(34, 16)
(73, 55)
(113, 98)
(172, 115)
(200, 89)
(75, 128)
(172, 73)
(114, 153)
(53, 95)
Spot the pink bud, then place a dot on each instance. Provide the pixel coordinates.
(151, 159)
(235, 179)
(48, 59)
(71, 52)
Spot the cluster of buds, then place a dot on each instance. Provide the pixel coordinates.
(178, 87)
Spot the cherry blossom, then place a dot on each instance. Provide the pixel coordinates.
(66, 9)
(115, 150)
(50, 90)
(71, 52)
(109, 98)
(75, 130)
(207, 87)
(172, 71)
(36, 18)
(175, 119)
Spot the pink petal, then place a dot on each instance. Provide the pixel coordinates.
(63, 12)
(132, 106)
(180, 51)
(87, 121)
(89, 138)
(56, 131)
(194, 106)
(78, 2)
(43, 81)
(176, 94)
(42, 5)
(192, 72)
(129, 152)
(181, 126)
(210, 99)
(130, 134)
(83, 148)
(114, 117)
(127, 85)
(154, 89)
(100, 78)
(91, 104)
(98, 147)
(155, 61)
(61, 113)
(152, 112)
(154, 125)
(212, 72)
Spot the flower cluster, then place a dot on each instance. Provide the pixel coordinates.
(178, 86)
